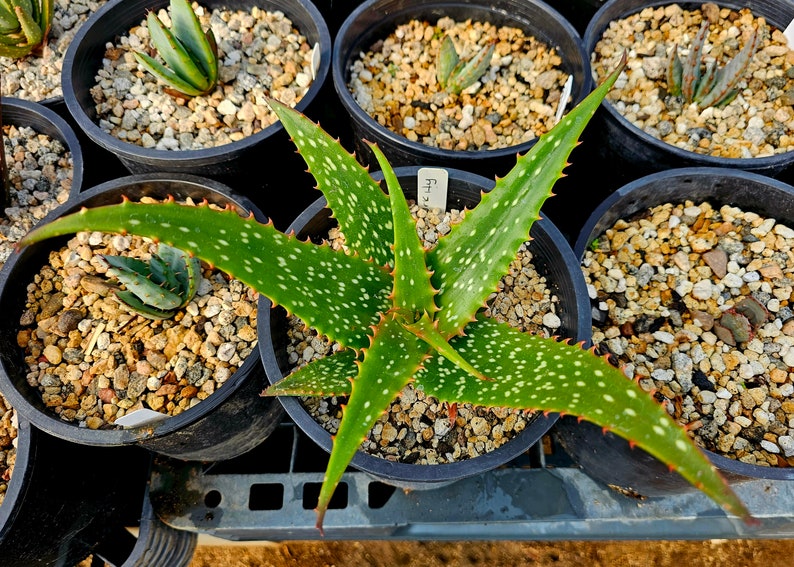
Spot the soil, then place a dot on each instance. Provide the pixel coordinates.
(744, 553)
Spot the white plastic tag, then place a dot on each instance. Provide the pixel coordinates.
(566, 93)
(431, 185)
(789, 33)
(140, 417)
(315, 60)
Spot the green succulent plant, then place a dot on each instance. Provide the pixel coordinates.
(405, 314)
(158, 288)
(710, 85)
(24, 26)
(455, 75)
(190, 54)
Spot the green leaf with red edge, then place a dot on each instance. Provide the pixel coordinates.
(532, 372)
(387, 366)
(339, 295)
(412, 292)
(327, 376)
(468, 263)
(356, 200)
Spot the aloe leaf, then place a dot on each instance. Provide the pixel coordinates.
(359, 205)
(134, 303)
(465, 74)
(175, 55)
(691, 74)
(426, 329)
(339, 295)
(707, 82)
(446, 61)
(166, 75)
(412, 290)
(8, 19)
(675, 71)
(468, 263)
(30, 27)
(182, 272)
(139, 284)
(388, 365)
(330, 375)
(186, 27)
(731, 73)
(531, 372)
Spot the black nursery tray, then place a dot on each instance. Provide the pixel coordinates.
(270, 493)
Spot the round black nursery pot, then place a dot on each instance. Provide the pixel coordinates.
(552, 257)
(627, 151)
(226, 162)
(231, 421)
(375, 19)
(64, 499)
(45, 121)
(607, 457)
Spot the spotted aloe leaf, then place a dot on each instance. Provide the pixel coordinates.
(388, 365)
(331, 375)
(24, 26)
(339, 295)
(550, 376)
(469, 262)
(356, 200)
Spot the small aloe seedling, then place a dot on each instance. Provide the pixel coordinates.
(157, 288)
(404, 314)
(190, 54)
(455, 75)
(712, 86)
(24, 26)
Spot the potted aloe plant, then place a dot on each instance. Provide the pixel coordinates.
(710, 85)
(405, 314)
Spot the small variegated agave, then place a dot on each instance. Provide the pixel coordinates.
(403, 313)
(158, 288)
(189, 53)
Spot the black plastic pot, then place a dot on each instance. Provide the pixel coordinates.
(552, 257)
(156, 544)
(375, 19)
(260, 151)
(64, 499)
(43, 120)
(609, 458)
(228, 423)
(626, 151)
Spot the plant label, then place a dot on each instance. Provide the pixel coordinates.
(566, 93)
(315, 60)
(789, 33)
(140, 417)
(431, 188)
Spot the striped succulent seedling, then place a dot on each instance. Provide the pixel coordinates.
(404, 314)
(455, 75)
(712, 85)
(158, 288)
(24, 25)
(189, 53)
